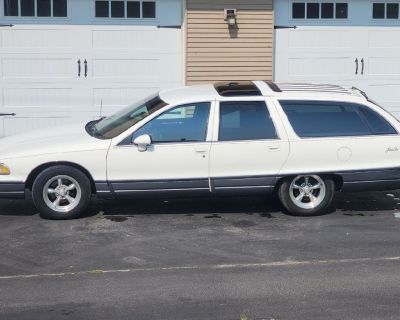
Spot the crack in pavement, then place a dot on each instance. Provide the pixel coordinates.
(202, 267)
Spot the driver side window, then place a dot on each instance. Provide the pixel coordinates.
(186, 123)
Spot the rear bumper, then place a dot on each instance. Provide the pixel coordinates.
(12, 190)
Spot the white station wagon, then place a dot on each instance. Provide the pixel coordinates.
(302, 141)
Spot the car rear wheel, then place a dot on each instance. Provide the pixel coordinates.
(307, 195)
(61, 192)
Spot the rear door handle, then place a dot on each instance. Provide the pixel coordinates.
(273, 148)
(200, 150)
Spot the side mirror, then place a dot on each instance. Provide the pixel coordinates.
(142, 142)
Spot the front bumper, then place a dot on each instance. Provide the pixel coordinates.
(12, 190)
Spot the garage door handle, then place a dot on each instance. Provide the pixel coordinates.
(356, 61)
(362, 66)
(85, 62)
(79, 68)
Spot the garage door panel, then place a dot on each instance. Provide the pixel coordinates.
(44, 97)
(386, 93)
(36, 39)
(138, 40)
(320, 67)
(133, 69)
(383, 66)
(328, 39)
(27, 123)
(44, 68)
(384, 39)
(115, 98)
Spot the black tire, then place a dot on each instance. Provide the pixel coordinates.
(76, 177)
(295, 208)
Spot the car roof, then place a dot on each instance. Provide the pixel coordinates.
(220, 90)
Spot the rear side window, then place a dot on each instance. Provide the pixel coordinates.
(334, 119)
(245, 120)
(378, 124)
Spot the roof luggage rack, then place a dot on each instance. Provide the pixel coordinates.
(313, 87)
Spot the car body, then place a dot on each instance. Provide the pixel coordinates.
(303, 141)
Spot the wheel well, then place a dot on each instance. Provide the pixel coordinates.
(35, 172)
(337, 179)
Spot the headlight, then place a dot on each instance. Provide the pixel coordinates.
(4, 170)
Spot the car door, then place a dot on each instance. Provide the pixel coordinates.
(249, 147)
(176, 161)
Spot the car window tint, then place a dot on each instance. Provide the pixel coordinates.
(378, 124)
(187, 123)
(245, 120)
(325, 119)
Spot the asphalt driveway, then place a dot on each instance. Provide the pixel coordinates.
(231, 258)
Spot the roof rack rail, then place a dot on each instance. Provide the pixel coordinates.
(266, 88)
(273, 86)
(361, 92)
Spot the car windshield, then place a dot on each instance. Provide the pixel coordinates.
(114, 125)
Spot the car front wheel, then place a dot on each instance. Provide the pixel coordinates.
(307, 195)
(61, 192)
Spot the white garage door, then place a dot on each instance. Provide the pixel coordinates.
(78, 68)
(340, 50)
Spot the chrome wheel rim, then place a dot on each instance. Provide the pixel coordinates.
(307, 191)
(62, 193)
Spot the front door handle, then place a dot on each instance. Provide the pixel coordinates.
(356, 61)
(362, 66)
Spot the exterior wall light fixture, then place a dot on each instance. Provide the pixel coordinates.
(230, 17)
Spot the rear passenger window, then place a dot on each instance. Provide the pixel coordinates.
(333, 119)
(246, 120)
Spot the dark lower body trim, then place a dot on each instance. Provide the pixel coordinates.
(355, 180)
(243, 185)
(371, 180)
(153, 188)
(12, 190)
(185, 187)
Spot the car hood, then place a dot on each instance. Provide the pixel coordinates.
(60, 139)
